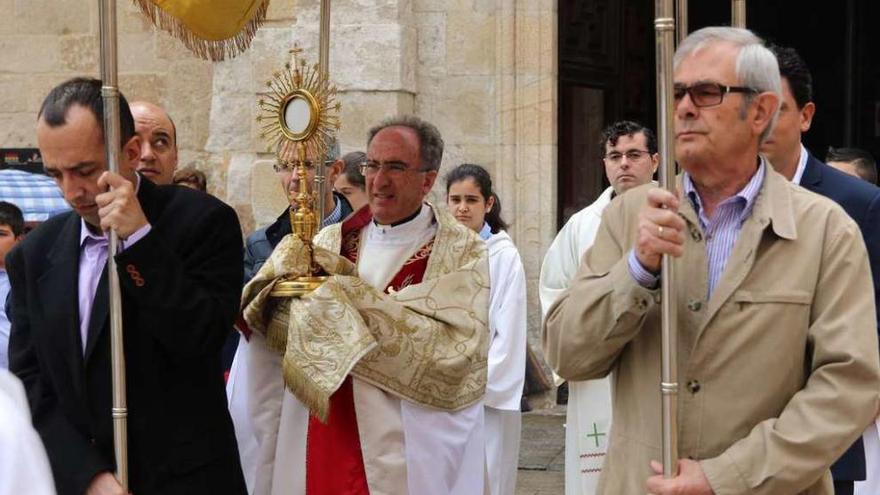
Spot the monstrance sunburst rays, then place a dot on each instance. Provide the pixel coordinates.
(299, 80)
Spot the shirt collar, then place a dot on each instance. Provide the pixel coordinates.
(745, 196)
(335, 216)
(486, 232)
(802, 165)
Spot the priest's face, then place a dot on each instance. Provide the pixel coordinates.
(397, 182)
(628, 162)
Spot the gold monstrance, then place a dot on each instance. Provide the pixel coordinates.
(299, 118)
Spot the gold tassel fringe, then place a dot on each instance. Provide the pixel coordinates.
(215, 51)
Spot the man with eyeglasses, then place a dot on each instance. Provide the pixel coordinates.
(777, 345)
(258, 248)
(386, 360)
(629, 152)
(860, 200)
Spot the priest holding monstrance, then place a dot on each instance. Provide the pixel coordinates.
(369, 343)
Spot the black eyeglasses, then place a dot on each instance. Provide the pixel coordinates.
(631, 155)
(707, 94)
(370, 168)
(289, 166)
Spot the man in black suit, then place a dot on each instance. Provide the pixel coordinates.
(860, 200)
(180, 270)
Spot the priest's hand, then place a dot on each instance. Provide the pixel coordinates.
(661, 229)
(104, 484)
(119, 208)
(690, 480)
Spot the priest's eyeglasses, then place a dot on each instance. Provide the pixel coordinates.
(289, 166)
(370, 168)
(631, 156)
(707, 94)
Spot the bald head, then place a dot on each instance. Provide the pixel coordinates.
(158, 158)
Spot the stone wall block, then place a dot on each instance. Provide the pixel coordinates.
(80, 53)
(17, 130)
(52, 17)
(232, 119)
(188, 100)
(13, 93)
(376, 57)
(465, 110)
(129, 19)
(137, 53)
(148, 87)
(368, 11)
(235, 76)
(30, 54)
(431, 48)
(470, 43)
(361, 110)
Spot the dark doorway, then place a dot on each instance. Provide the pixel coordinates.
(607, 73)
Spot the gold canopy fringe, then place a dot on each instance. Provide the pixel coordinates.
(214, 50)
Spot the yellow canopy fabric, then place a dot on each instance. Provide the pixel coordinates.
(213, 29)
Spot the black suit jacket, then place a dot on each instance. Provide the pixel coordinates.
(180, 436)
(861, 201)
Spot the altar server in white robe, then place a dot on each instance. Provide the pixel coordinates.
(471, 200)
(24, 467)
(630, 158)
(408, 417)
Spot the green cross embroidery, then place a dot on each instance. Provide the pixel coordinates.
(595, 435)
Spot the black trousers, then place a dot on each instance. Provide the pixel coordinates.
(843, 487)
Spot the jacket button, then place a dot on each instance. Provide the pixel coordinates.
(693, 386)
(695, 305)
(696, 235)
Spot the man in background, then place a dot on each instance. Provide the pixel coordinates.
(259, 247)
(853, 161)
(861, 201)
(11, 229)
(630, 159)
(158, 156)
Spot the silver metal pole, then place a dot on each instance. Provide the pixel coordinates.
(738, 13)
(664, 26)
(324, 67)
(112, 142)
(681, 23)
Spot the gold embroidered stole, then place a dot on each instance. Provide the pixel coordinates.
(426, 343)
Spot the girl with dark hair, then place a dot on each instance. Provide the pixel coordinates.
(351, 183)
(471, 200)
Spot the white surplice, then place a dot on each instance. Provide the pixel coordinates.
(24, 467)
(588, 415)
(871, 438)
(507, 363)
(407, 448)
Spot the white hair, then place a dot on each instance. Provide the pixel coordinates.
(756, 66)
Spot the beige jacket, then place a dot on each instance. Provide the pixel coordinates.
(778, 371)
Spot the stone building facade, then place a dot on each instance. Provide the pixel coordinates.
(483, 71)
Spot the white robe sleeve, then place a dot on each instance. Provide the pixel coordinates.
(507, 324)
(563, 258)
(560, 265)
(264, 395)
(24, 467)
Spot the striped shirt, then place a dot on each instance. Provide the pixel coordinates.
(720, 231)
(335, 216)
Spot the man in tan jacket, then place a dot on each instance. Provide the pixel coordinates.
(777, 344)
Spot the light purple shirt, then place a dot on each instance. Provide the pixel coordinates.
(92, 258)
(720, 231)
